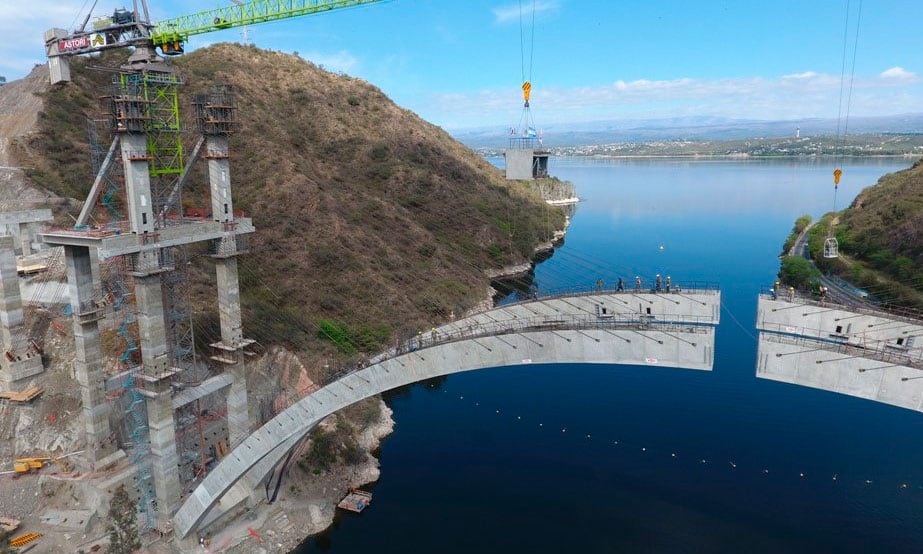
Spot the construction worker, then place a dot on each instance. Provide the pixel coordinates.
(599, 285)
(620, 286)
(791, 294)
(668, 283)
(659, 283)
(637, 283)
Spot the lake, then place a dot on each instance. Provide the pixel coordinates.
(597, 458)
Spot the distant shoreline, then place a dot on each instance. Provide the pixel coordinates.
(739, 156)
(721, 156)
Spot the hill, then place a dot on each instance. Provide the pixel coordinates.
(372, 224)
(880, 236)
(368, 217)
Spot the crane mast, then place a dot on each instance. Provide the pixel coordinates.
(134, 28)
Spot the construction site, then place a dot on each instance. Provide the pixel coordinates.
(106, 379)
(147, 409)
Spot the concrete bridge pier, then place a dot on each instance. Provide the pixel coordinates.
(19, 360)
(157, 376)
(88, 362)
(20, 225)
(230, 351)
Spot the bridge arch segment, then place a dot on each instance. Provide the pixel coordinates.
(672, 330)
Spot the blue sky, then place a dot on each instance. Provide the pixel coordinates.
(458, 63)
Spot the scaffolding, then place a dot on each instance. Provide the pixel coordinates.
(216, 113)
(110, 200)
(148, 102)
(136, 427)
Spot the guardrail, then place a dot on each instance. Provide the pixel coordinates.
(907, 315)
(413, 342)
(647, 287)
(850, 350)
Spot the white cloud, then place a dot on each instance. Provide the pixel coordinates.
(898, 74)
(800, 95)
(338, 62)
(803, 75)
(509, 13)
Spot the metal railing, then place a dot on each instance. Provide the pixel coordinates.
(841, 347)
(647, 287)
(907, 315)
(418, 341)
(410, 341)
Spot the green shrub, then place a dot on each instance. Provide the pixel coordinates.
(338, 333)
(797, 271)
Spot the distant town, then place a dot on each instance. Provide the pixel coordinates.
(854, 145)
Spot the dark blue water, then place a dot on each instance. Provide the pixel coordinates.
(562, 458)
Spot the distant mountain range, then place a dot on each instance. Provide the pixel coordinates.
(690, 128)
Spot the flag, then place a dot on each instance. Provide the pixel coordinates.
(531, 132)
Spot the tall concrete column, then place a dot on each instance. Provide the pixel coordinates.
(164, 459)
(157, 376)
(88, 362)
(94, 268)
(219, 178)
(152, 327)
(155, 357)
(232, 337)
(137, 182)
(25, 237)
(232, 341)
(10, 299)
(19, 359)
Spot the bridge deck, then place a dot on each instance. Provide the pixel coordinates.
(863, 353)
(604, 327)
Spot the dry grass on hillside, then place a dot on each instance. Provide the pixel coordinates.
(881, 238)
(369, 218)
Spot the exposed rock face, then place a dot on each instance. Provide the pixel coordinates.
(20, 104)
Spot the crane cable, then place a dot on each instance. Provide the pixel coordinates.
(526, 79)
(837, 172)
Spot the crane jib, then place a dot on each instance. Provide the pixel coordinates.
(178, 29)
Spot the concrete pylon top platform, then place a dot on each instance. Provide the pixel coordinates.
(602, 327)
(113, 242)
(866, 354)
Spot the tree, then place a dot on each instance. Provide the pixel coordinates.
(123, 523)
(801, 224)
(797, 271)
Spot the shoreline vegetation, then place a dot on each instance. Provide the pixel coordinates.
(880, 241)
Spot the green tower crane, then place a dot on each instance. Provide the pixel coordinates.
(134, 28)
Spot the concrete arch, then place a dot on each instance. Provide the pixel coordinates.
(672, 330)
